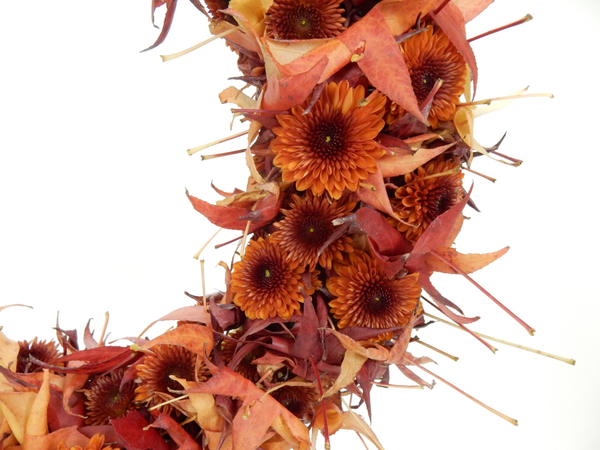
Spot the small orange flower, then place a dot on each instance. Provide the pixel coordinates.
(156, 369)
(332, 147)
(366, 297)
(106, 399)
(431, 56)
(307, 227)
(304, 19)
(42, 351)
(433, 190)
(264, 283)
(96, 442)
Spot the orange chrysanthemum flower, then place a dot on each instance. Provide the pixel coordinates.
(307, 227)
(304, 19)
(431, 56)
(156, 369)
(264, 283)
(299, 400)
(42, 351)
(106, 399)
(366, 297)
(96, 442)
(433, 190)
(331, 148)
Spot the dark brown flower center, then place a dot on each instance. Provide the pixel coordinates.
(313, 231)
(300, 22)
(441, 200)
(268, 275)
(377, 299)
(423, 80)
(327, 138)
(181, 369)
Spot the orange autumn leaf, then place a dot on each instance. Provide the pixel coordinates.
(452, 22)
(257, 413)
(395, 165)
(468, 263)
(196, 338)
(286, 92)
(471, 8)
(381, 60)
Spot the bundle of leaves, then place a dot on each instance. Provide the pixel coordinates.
(360, 128)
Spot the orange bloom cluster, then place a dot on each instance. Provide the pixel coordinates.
(361, 130)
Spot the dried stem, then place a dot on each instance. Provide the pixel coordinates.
(527, 18)
(498, 413)
(191, 151)
(512, 344)
(166, 58)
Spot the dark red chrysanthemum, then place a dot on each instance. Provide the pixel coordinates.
(43, 351)
(299, 400)
(331, 148)
(106, 399)
(264, 283)
(431, 56)
(432, 190)
(157, 368)
(366, 297)
(307, 227)
(304, 19)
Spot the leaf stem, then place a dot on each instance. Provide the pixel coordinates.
(527, 18)
(512, 344)
(166, 58)
(191, 151)
(458, 270)
(498, 413)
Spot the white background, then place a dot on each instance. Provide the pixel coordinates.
(94, 217)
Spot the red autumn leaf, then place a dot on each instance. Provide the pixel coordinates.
(381, 59)
(234, 218)
(135, 431)
(176, 431)
(282, 94)
(95, 360)
(386, 241)
(452, 22)
(307, 342)
(171, 5)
